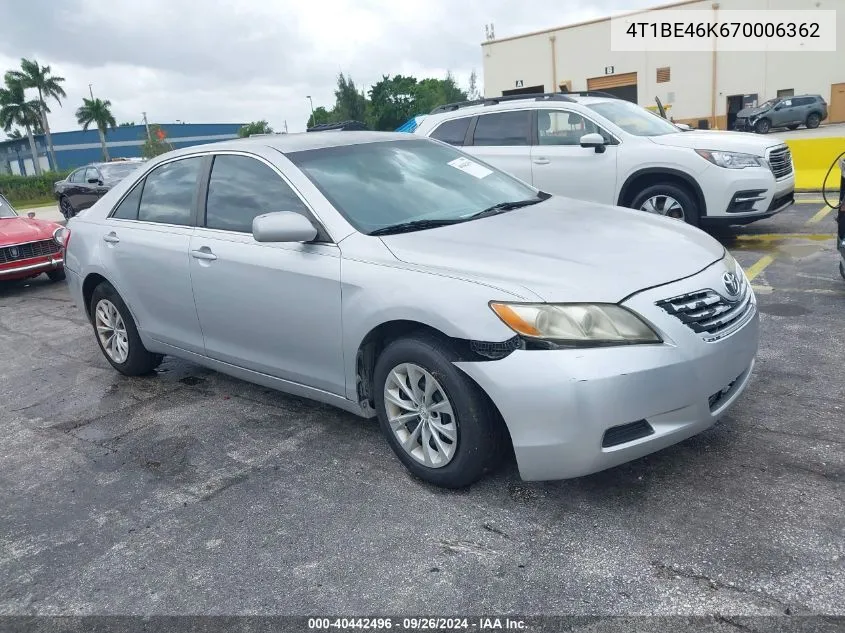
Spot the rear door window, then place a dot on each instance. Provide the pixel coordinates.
(503, 128)
(170, 193)
(452, 132)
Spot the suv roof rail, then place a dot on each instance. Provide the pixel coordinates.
(537, 96)
(342, 125)
(590, 93)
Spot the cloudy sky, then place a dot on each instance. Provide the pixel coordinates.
(211, 61)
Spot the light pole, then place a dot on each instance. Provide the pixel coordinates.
(313, 118)
(147, 126)
(91, 91)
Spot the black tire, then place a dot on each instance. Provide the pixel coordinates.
(794, 126)
(66, 208)
(842, 269)
(692, 214)
(56, 275)
(762, 126)
(813, 121)
(480, 432)
(139, 361)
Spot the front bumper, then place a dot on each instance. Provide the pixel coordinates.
(30, 267)
(561, 406)
(745, 195)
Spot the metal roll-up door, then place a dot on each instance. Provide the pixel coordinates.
(623, 85)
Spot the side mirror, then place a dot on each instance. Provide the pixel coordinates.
(284, 226)
(93, 181)
(594, 140)
(683, 127)
(31, 215)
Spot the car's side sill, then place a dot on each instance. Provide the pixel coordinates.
(265, 380)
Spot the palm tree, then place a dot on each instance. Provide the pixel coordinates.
(15, 134)
(33, 75)
(97, 111)
(16, 110)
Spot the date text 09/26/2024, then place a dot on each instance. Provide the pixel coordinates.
(417, 624)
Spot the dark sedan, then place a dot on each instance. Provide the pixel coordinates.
(84, 186)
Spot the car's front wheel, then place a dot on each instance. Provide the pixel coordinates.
(670, 200)
(813, 121)
(762, 126)
(439, 423)
(117, 334)
(56, 275)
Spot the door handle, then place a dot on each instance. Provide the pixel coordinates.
(203, 253)
(541, 161)
(111, 238)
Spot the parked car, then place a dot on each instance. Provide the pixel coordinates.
(789, 112)
(607, 150)
(84, 186)
(28, 246)
(395, 276)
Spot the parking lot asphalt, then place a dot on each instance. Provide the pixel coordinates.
(190, 492)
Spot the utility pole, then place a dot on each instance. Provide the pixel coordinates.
(91, 92)
(286, 125)
(313, 118)
(147, 126)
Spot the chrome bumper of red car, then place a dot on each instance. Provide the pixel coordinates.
(53, 262)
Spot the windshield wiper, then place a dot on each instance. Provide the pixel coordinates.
(415, 225)
(509, 206)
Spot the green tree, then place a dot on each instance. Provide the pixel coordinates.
(435, 92)
(350, 105)
(473, 92)
(34, 75)
(156, 144)
(98, 112)
(127, 124)
(15, 134)
(392, 102)
(256, 127)
(321, 115)
(16, 110)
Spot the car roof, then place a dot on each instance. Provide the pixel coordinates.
(529, 102)
(301, 141)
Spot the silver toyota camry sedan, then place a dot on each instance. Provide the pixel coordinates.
(396, 277)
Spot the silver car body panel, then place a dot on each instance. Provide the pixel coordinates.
(293, 316)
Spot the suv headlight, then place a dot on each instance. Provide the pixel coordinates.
(575, 324)
(731, 160)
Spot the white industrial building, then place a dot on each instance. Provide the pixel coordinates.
(701, 88)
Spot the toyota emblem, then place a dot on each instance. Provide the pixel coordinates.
(14, 252)
(731, 284)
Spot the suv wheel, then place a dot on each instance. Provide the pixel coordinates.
(66, 208)
(670, 200)
(813, 121)
(762, 126)
(438, 422)
(117, 335)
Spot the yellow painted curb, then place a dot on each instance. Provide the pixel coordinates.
(812, 158)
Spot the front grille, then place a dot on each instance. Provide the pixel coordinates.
(27, 251)
(616, 435)
(720, 396)
(780, 161)
(708, 313)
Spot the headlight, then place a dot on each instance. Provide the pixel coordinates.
(576, 324)
(731, 160)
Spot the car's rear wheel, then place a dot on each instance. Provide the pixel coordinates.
(117, 334)
(813, 121)
(439, 423)
(794, 126)
(66, 208)
(762, 126)
(56, 275)
(842, 269)
(670, 200)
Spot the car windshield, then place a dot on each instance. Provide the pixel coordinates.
(380, 185)
(117, 171)
(632, 118)
(769, 103)
(6, 210)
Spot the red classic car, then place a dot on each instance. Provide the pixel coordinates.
(29, 247)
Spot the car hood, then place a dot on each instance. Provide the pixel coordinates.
(747, 113)
(563, 250)
(20, 230)
(718, 140)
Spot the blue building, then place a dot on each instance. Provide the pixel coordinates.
(79, 147)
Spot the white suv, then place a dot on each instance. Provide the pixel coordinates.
(607, 150)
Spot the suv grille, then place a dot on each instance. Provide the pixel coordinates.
(780, 161)
(27, 251)
(711, 315)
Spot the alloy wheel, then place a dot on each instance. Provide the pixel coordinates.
(664, 205)
(111, 330)
(420, 415)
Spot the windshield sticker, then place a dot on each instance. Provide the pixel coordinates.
(470, 167)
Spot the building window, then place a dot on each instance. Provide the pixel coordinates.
(787, 92)
(663, 75)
